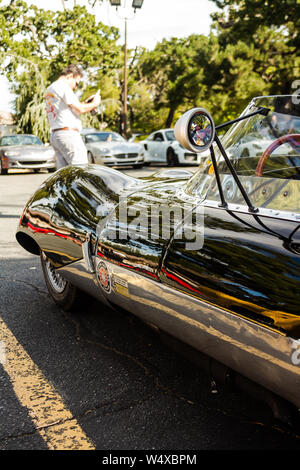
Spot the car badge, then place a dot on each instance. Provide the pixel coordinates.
(103, 276)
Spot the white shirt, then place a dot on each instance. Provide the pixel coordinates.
(59, 96)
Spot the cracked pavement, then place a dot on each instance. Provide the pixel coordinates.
(126, 389)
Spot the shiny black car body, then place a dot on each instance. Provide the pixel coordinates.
(222, 276)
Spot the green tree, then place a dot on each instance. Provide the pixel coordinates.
(270, 28)
(37, 44)
(241, 18)
(173, 73)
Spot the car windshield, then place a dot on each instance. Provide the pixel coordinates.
(8, 140)
(272, 138)
(170, 135)
(265, 153)
(104, 137)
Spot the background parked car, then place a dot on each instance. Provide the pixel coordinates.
(253, 146)
(111, 149)
(162, 146)
(25, 151)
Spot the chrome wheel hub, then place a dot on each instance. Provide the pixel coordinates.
(58, 283)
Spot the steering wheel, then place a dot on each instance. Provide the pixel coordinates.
(293, 139)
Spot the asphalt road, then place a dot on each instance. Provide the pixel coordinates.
(99, 379)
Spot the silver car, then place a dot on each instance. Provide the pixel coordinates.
(111, 149)
(25, 151)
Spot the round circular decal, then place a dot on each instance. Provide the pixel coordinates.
(103, 276)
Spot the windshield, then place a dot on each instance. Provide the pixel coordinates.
(20, 140)
(170, 135)
(265, 153)
(273, 136)
(104, 137)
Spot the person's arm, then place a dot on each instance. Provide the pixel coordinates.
(80, 107)
(84, 107)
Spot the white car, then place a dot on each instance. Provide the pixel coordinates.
(162, 146)
(111, 149)
(251, 146)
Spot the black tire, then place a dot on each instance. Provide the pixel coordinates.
(172, 159)
(64, 294)
(137, 166)
(3, 171)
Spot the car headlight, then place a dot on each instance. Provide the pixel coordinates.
(11, 153)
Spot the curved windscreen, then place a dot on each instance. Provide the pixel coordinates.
(103, 137)
(9, 140)
(264, 150)
(276, 136)
(170, 135)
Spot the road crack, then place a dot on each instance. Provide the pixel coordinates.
(82, 415)
(29, 284)
(160, 386)
(157, 383)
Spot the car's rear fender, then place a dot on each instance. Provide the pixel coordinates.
(64, 210)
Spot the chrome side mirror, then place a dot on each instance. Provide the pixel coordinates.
(195, 130)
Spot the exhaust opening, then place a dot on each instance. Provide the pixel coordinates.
(28, 243)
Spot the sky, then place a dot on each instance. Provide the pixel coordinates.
(156, 20)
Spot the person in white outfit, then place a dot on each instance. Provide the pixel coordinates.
(64, 110)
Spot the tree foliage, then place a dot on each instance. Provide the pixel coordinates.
(241, 18)
(271, 29)
(37, 44)
(252, 50)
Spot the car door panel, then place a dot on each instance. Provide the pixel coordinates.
(136, 234)
(247, 265)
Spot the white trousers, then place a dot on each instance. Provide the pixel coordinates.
(69, 148)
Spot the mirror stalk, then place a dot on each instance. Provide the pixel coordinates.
(262, 111)
(251, 208)
(213, 159)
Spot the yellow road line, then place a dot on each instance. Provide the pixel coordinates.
(46, 408)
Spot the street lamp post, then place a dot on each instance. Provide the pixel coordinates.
(135, 4)
(125, 113)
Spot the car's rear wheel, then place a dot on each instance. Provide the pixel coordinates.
(65, 294)
(172, 159)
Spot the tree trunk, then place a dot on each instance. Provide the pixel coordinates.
(170, 117)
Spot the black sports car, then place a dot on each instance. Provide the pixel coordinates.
(212, 259)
